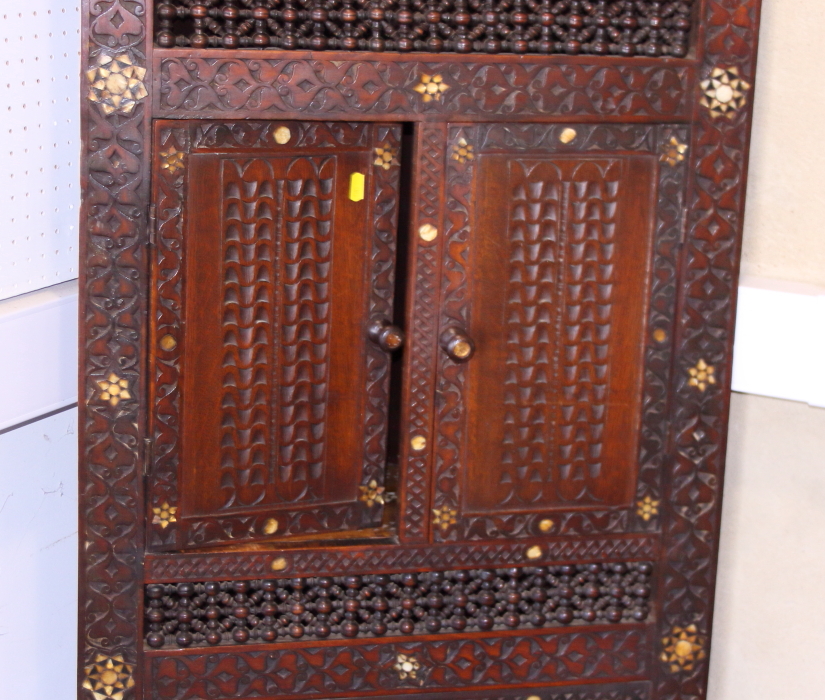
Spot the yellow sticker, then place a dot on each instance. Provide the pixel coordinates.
(356, 187)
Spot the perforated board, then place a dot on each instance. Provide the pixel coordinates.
(39, 143)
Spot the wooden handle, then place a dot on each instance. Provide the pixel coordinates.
(385, 335)
(457, 344)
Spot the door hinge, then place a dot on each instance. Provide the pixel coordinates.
(147, 456)
(152, 224)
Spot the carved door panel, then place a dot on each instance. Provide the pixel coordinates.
(274, 259)
(552, 327)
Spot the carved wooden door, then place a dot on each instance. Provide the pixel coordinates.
(556, 328)
(274, 260)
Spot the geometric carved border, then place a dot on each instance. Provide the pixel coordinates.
(113, 222)
(623, 691)
(383, 558)
(251, 84)
(705, 316)
(366, 668)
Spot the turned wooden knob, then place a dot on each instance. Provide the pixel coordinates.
(385, 335)
(457, 344)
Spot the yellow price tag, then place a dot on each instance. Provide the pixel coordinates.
(356, 187)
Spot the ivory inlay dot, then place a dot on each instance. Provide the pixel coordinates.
(427, 232)
(724, 93)
(534, 552)
(282, 135)
(567, 135)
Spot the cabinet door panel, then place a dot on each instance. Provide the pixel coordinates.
(284, 397)
(556, 276)
(558, 281)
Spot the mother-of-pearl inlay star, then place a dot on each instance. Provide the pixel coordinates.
(724, 92)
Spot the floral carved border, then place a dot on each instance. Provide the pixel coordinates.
(114, 218)
(250, 84)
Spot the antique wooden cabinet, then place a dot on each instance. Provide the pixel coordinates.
(406, 345)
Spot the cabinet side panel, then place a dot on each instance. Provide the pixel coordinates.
(113, 224)
(704, 341)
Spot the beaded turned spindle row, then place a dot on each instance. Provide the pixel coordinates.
(601, 27)
(187, 614)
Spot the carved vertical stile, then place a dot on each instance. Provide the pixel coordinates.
(114, 209)
(658, 358)
(705, 318)
(166, 337)
(424, 296)
(454, 311)
(382, 286)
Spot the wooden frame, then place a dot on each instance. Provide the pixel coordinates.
(115, 221)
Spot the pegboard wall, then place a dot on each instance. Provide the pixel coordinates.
(39, 143)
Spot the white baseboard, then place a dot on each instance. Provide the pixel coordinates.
(780, 343)
(779, 348)
(38, 353)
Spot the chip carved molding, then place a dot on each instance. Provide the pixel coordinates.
(114, 216)
(305, 670)
(704, 337)
(251, 84)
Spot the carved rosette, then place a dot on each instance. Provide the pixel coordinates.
(724, 93)
(428, 216)
(116, 83)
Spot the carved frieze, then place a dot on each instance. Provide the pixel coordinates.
(363, 668)
(337, 85)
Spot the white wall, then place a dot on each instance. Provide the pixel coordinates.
(769, 624)
(786, 186)
(38, 559)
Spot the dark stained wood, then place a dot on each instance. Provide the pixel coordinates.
(562, 26)
(365, 668)
(278, 265)
(396, 605)
(558, 412)
(557, 293)
(251, 84)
